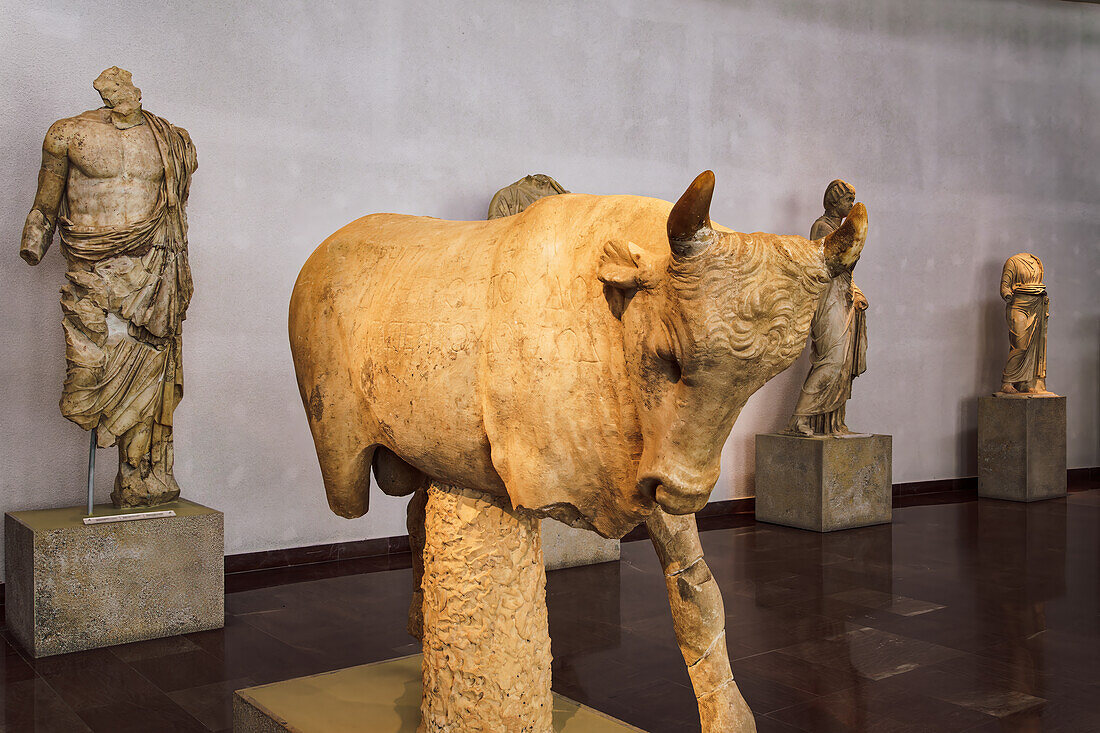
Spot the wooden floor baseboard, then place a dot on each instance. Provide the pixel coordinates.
(715, 509)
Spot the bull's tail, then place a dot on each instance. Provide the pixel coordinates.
(340, 434)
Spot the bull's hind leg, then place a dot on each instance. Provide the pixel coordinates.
(486, 639)
(699, 617)
(344, 443)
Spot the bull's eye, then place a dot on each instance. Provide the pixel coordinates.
(675, 372)
(669, 365)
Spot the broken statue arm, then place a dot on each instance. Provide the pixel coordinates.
(42, 220)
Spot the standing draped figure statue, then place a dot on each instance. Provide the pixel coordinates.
(838, 334)
(1027, 310)
(115, 181)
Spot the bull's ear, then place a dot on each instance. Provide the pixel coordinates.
(625, 268)
(844, 246)
(689, 222)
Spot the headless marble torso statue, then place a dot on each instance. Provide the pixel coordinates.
(1027, 308)
(115, 181)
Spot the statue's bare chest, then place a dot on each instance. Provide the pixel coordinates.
(100, 151)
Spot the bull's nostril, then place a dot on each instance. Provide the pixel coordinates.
(648, 487)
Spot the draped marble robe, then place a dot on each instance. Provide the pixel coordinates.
(838, 355)
(1027, 309)
(124, 304)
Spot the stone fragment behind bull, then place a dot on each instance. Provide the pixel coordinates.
(516, 197)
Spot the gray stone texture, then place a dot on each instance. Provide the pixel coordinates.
(567, 547)
(1021, 448)
(248, 718)
(72, 587)
(823, 483)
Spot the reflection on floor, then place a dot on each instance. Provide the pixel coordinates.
(968, 616)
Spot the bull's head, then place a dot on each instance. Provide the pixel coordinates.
(706, 323)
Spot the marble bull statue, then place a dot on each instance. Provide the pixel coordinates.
(586, 359)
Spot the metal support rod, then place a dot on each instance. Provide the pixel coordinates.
(91, 473)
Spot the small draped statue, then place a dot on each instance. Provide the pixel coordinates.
(838, 333)
(1027, 310)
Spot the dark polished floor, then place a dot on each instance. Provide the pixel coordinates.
(968, 616)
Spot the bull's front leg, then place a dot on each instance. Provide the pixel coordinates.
(699, 617)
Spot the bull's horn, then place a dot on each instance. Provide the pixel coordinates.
(843, 247)
(690, 215)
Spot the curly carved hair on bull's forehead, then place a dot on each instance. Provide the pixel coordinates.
(753, 279)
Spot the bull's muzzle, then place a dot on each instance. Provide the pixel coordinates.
(676, 496)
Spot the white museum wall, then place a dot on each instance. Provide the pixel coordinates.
(969, 129)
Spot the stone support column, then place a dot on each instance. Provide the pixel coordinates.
(486, 639)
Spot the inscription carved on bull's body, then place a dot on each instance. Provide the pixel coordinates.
(585, 359)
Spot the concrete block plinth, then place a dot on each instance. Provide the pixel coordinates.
(823, 483)
(1022, 447)
(72, 586)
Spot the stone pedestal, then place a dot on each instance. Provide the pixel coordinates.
(824, 483)
(566, 547)
(383, 697)
(71, 586)
(1021, 447)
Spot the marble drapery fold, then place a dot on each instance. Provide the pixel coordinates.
(1027, 309)
(124, 303)
(515, 198)
(838, 355)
